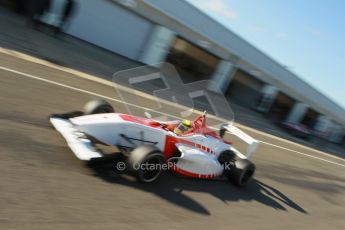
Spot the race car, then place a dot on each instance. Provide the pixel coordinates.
(146, 147)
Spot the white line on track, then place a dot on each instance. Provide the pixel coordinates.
(304, 154)
(141, 107)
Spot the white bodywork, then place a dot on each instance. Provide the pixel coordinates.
(199, 151)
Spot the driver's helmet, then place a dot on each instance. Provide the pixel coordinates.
(183, 127)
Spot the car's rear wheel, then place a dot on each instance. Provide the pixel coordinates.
(226, 156)
(98, 106)
(240, 172)
(146, 163)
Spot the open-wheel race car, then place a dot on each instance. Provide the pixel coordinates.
(145, 147)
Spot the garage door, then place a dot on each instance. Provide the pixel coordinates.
(244, 89)
(281, 107)
(191, 61)
(110, 26)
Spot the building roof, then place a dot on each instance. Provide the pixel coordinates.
(273, 72)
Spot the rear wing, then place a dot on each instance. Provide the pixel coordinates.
(252, 143)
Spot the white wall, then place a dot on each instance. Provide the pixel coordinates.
(297, 112)
(110, 26)
(158, 45)
(222, 76)
(269, 94)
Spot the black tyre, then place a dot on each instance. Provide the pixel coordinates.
(240, 171)
(98, 106)
(145, 162)
(226, 156)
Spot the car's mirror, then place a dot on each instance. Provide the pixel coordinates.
(147, 115)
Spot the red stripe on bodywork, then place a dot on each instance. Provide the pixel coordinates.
(191, 174)
(170, 146)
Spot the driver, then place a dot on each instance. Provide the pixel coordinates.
(183, 127)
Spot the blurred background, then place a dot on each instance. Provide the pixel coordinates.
(102, 37)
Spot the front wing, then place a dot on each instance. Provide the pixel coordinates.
(78, 143)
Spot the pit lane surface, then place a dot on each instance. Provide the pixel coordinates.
(44, 186)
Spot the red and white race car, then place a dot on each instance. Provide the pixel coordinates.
(146, 147)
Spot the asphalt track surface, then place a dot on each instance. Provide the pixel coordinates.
(44, 186)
